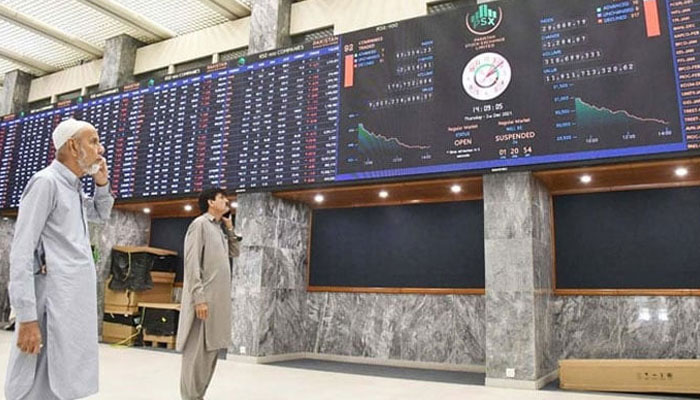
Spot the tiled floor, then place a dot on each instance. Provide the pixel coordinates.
(138, 374)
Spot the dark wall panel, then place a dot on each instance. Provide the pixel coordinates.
(423, 246)
(634, 239)
(169, 233)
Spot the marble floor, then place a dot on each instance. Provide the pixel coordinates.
(138, 374)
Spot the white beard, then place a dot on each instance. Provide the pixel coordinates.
(87, 169)
(92, 170)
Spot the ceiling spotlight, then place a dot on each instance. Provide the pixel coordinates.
(383, 194)
(456, 188)
(146, 210)
(681, 171)
(415, 201)
(188, 207)
(318, 198)
(586, 179)
(234, 204)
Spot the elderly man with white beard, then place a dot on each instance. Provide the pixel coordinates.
(52, 273)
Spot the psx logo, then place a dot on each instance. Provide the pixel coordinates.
(485, 20)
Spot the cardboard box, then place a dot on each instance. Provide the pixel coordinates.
(163, 278)
(120, 302)
(660, 376)
(116, 333)
(162, 291)
(159, 294)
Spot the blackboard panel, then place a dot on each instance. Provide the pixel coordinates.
(645, 239)
(437, 245)
(169, 233)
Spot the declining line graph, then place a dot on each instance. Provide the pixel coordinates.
(370, 137)
(603, 126)
(583, 106)
(377, 148)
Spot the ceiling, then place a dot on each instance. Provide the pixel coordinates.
(44, 36)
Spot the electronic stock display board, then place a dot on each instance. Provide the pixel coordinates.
(497, 85)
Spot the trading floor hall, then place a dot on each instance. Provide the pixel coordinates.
(350, 199)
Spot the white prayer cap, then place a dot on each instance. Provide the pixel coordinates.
(66, 129)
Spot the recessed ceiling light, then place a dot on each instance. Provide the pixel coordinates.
(586, 179)
(188, 207)
(146, 210)
(415, 201)
(383, 194)
(234, 204)
(456, 188)
(681, 171)
(319, 198)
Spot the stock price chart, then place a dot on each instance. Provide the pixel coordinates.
(505, 84)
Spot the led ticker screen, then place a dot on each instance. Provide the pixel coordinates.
(508, 83)
(502, 84)
(269, 122)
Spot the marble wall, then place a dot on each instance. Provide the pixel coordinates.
(626, 327)
(519, 323)
(268, 287)
(274, 315)
(445, 329)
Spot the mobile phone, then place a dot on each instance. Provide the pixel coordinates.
(233, 219)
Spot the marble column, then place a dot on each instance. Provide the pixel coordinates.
(118, 61)
(519, 260)
(268, 287)
(269, 25)
(15, 92)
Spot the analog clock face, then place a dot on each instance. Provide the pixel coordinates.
(486, 76)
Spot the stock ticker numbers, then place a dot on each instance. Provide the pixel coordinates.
(590, 111)
(26, 148)
(269, 122)
(284, 131)
(685, 19)
(486, 86)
